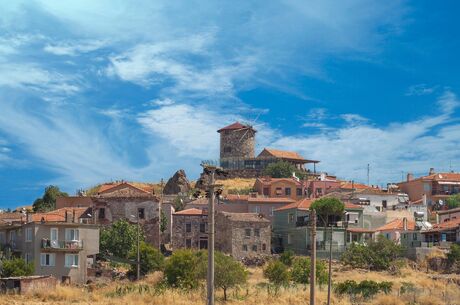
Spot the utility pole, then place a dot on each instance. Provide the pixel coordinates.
(313, 258)
(368, 170)
(211, 233)
(329, 281)
(160, 207)
(138, 250)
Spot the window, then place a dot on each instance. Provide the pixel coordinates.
(352, 217)
(54, 234)
(227, 149)
(299, 192)
(245, 247)
(188, 227)
(287, 191)
(71, 260)
(278, 191)
(384, 204)
(247, 232)
(101, 213)
(202, 227)
(141, 213)
(272, 211)
(254, 248)
(257, 209)
(264, 247)
(72, 234)
(28, 234)
(414, 236)
(257, 232)
(47, 259)
(188, 243)
(2, 237)
(28, 258)
(266, 191)
(289, 239)
(290, 217)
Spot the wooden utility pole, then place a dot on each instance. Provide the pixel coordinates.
(138, 250)
(329, 281)
(211, 233)
(313, 258)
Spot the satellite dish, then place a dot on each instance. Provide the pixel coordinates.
(441, 202)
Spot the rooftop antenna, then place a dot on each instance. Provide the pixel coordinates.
(368, 170)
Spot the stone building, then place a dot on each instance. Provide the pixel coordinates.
(237, 142)
(243, 234)
(190, 229)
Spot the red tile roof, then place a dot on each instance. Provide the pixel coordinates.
(397, 224)
(451, 224)
(270, 200)
(104, 188)
(443, 177)
(355, 185)
(191, 212)
(304, 204)
(269, 180)
(234, 126)
(283, 154)
(58, 215)
(455, 210)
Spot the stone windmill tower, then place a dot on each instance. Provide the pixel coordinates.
(237, 143)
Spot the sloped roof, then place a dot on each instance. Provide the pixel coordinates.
(59, 214)
(354, 185)
(235, 197)
(304, 204)
(191, 212)
(270, 180)
(246, 217)
(283, 154)
(397, 224)
(443, 177)
(270, 200)
(235, 126)
(456, 210)
(145, 188)
(451, 224)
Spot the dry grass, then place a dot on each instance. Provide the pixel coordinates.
(429, 292)
(237, 183)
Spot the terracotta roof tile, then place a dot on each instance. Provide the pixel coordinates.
(283, 154)
(58, 215)
(191, 212)
(451, 224)
(397, 224)
(234, 126)
(269, 180)
(270, 200)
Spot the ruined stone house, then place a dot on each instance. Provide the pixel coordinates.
(190, 229)
(243, 234)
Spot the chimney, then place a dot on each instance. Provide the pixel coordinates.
(424, 199)
(404, 224)
(410, 177)
(432, 172)
(437, 218)
(68, 216)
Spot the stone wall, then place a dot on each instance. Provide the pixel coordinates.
(241, 142)
(179, 234)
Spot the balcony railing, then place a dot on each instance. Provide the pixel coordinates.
(62, 245)
(445, 192)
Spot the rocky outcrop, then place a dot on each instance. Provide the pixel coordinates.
(177, 184)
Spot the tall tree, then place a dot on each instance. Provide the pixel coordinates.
(280, 169)
(326, 207)
(119, 239)
(48, 201)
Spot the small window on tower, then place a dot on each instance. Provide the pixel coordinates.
(227, 149)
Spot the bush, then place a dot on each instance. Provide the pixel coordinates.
(377, 255)
(454, 254)
(280, 169)
(277, 273)
(119, 239)
(184, 270)
(287, 257)
(301, 268)
(229, 273)
(366, 289)
(151, 259)
(16, 267)
(453, 201)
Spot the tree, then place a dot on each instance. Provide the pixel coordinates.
(119, 239)
(277, 273)
(300, 271)
(287, 257)
(280, 169)
(327, 207)
(163, 222)
(377, 255)
(183, 269)
(179, 204)
(16, 267)
(454, 254)
(48, 201)
(453, 201)
(151, 259)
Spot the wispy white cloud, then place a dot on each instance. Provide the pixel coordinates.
(74, 48)
(420, 89)
(408, 146)
(353, 118)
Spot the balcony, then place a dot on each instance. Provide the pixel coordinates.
(445, 192)
(61, 245)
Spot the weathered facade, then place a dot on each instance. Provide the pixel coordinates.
(243, 234)
(27, 284)
(61, 243)
(190, 229)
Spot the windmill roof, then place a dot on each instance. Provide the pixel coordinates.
(234, 126)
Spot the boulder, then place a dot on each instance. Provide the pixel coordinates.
(177, 184)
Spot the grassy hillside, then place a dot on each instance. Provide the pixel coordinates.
(430, 289)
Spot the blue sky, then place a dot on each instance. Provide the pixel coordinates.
(93, 91)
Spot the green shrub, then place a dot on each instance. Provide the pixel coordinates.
(366, 289)
(151, 259)
(183, 269)
(16, 267)
(277, 273)
(287, 257)
(454, 254)
(300, 271)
